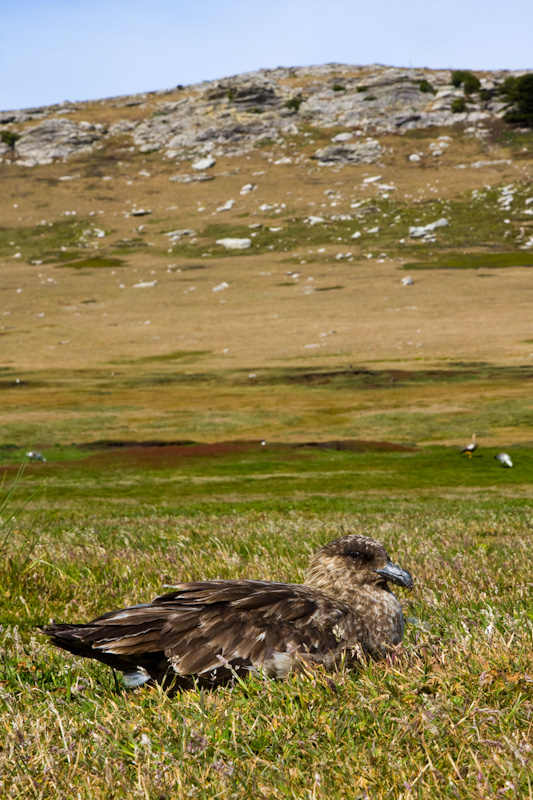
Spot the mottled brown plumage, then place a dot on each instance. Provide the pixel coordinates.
(210, 630)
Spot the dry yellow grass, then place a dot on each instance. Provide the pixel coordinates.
(68, 318)
(293, 305)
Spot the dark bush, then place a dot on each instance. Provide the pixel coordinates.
(457, 77)
(294, 103)
(519, 93)
(10, 138)
(362, 89)
(469, 81)
(425, 86)
(338, 88)
(458, 105)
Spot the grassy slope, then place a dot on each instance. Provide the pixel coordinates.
(452, 716)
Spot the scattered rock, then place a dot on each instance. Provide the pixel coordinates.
(408, 281)
(179, 233)
(123, 126)
(358, 153)
(191, 178)
(418, 232)
(227, 206)
(56, 139)
(204, 163)
(493, 163)
(235, 244)
(235, 115)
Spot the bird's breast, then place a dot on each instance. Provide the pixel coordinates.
(383, 616)
(389, 619)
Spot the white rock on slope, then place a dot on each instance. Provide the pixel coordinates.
(235, 244)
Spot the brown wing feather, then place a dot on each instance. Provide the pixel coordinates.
(211, 628)
(246, 623)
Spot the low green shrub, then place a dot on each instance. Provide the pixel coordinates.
(294, 103)
(468, 80)
(457, 77)
(471, 83)
(519, 93)
(10, 138)
(425, 86)
(458, 105)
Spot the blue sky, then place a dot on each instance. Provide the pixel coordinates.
(55, 50)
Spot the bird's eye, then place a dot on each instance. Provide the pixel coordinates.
(355, 554)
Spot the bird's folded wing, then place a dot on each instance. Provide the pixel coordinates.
(218, 625)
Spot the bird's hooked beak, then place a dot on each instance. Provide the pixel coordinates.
(396, 574)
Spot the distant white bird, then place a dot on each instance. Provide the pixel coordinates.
(36, 456)
(469, 449)
(504, 459)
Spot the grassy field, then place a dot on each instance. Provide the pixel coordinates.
(450, 717)
(148, 368)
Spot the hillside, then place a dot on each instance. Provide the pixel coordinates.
(277, 229)
(239, 320)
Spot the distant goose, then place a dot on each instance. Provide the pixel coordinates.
(504, 459)
(208, 631)
(469, 449)
(35, 455)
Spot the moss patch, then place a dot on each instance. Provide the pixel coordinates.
(476, 261)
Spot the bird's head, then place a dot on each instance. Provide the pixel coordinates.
(356, 561)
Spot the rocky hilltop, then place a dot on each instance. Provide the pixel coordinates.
(233, 115)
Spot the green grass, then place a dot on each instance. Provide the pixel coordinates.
(476, 221)
(450, 717)
(186, 478)
(95, 262)
(190, 356)
(48, 243)
(518, 140)
(475, 261)
(49, 410)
